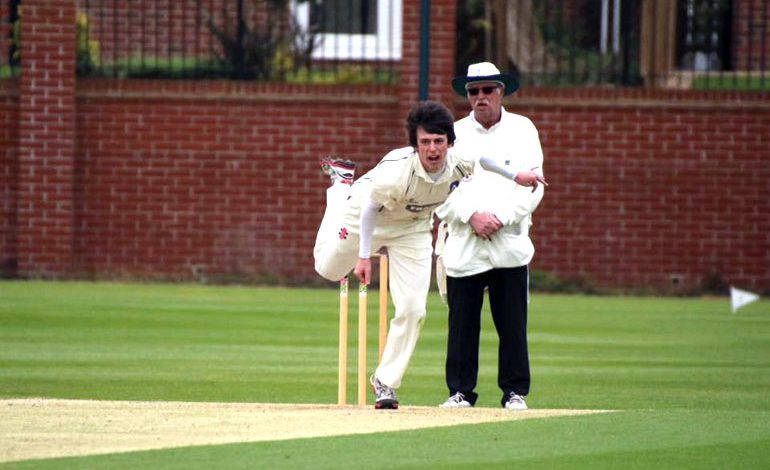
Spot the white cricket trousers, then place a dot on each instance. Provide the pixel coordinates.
(409, 257)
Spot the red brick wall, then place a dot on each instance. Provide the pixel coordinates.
(46, 138)
(647, 187)
(159, 178)
(173, 175)
(9, 142)
(654, 189)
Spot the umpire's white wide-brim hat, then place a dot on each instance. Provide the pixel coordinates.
(485, 72)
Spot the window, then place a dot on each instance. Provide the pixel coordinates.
(344, 16)
(704, 41)
(352, 29)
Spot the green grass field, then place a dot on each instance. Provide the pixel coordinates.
(691, 379)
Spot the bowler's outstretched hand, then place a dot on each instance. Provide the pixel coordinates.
(363, 270)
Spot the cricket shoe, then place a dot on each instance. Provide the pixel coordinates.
(456, 401)
(515, 402)
(385, 396)
(339, 170)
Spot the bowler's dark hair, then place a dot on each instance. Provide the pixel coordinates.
(434, 118)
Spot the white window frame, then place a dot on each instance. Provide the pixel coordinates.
(384, 45)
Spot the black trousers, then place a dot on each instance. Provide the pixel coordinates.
(508, 293)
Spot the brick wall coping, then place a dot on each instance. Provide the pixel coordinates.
(237, 91)
(638, 98)
(532, 96)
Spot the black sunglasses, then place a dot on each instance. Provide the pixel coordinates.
(488, 90)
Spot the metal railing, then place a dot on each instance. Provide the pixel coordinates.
(697, 44)
(277, 40)
(10, 37)
(575, 43)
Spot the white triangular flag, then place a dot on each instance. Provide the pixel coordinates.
(739, 297)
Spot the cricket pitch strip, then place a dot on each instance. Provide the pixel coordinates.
(38, 428)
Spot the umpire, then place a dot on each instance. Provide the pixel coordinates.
(488, 246)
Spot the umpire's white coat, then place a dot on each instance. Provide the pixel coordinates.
(465, 254)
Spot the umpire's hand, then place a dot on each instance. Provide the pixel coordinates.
(485, 225)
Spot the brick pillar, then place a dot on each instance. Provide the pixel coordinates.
(442, 52)
(443, 29)
(410, 56)
(46, 138)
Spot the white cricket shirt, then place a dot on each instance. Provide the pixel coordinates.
(407, 193)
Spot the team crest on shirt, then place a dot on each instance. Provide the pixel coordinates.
(454, 184)
(417, 208)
